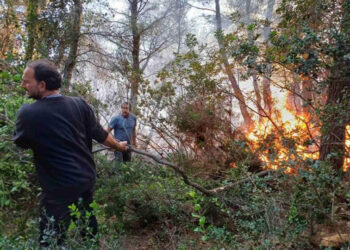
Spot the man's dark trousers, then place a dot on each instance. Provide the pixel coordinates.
(122, 156)
(57, 208)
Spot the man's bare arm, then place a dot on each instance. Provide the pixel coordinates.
(109, 129)
(113, 143)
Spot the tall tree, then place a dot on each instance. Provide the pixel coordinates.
(336, 116)
(141, 32)
(74, 35)
(228, 69)
(318, 46)
(9, 27)
(266, 79)
(253, 71)
(31, 25)
(135, 8)
(180, 19)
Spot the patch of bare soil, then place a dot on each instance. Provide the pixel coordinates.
(170, 238)
(332, 235)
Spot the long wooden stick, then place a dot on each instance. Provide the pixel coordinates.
(210, 192)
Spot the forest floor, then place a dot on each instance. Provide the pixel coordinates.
(149, 239)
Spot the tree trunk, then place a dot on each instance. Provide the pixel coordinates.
(237, 91)
(60, 52)
(336, 114)
(77, 11)
(306, 93)
(31, 25)
(136, 40)
(253, 72)
(267, 93)
(334, 124)
(294, 101)
(257, 94)
(180, 15)
(7, 29)
(266, 80)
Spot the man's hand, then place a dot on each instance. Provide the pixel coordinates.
(114, 144)
(123, 145)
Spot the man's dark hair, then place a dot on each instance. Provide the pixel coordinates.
(45, 70)
(126, 103)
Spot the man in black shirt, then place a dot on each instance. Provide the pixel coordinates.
(59, 129)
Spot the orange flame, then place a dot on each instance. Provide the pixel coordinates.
(289, 138)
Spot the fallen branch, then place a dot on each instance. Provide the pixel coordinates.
(6, 119)
(228, 186)
(210, 192)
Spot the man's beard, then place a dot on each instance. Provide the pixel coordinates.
(36, 95)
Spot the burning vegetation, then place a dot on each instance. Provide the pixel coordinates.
(289, 138)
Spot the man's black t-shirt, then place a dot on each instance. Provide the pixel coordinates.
(60, 130)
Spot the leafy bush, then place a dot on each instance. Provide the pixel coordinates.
(139, 194)
(16, 180)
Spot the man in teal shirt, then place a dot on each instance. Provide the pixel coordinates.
(124, 126)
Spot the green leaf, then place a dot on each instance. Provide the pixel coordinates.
(195, 215)
(192, 194)
(17, 78)
(251, 27)
(72, 207)
(348, 195)
(202, 221)
(5, 75)
(72, 226)
(197, 207)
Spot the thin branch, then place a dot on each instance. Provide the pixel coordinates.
(6, 119)
(150, 145)
(165, 14)
(173, 166)
(228, 186)
(200, 8)
(96, 65)
(97, 52)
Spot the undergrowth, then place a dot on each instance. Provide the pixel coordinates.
(276, 211)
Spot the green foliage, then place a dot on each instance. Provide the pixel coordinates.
(275, 211)
(240, 154)
(314, 193)
(138, 194)
(191, 40)
(195, 118)
(263, 212)
(83, 90)
(314, 43)
(16, 179)
(193, 100)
